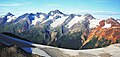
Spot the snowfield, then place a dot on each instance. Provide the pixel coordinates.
(59, 21)
(76, 19)
(112, 50)
(94, 22)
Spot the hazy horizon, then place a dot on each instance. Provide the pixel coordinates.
(98, 8)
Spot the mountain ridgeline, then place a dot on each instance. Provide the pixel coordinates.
(58, 29)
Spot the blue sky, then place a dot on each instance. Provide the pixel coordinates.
(98, 8)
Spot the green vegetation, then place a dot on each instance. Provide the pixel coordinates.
(34, 34)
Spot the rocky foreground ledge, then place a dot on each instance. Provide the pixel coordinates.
(14, 51)
(110, 51)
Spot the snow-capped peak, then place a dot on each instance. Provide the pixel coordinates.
(89, 16)
(9, 17)
(38, 14)
(54, 15)
(9, 14)
(55, 12)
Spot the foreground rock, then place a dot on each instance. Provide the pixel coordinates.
(110, 51)
(14, 51)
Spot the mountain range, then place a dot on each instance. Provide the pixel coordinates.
(58, 29)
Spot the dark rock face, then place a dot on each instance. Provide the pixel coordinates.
(14, 51)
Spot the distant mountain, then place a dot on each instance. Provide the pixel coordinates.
(55, 28)
(106, 33)
(89, 16)
(53, 19)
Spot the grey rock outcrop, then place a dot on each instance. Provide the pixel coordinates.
(14, 51)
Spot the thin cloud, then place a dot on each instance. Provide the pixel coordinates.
(19, 3)
(11, 4)
(107, 13)
(102, 1)
(53, 5)
(92, 11)
(100, 12)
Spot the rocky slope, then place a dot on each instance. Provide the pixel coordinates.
(106, 33)
(14, 51)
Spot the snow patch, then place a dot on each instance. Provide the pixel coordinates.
(118, 21)
(39, 52)
(106, 25)
(36, 19)
(41, 17)
(52, 17)
(76, 19)
(94, 23)
(10, 18)
(46, 20)
(52, 13)
(59, 21)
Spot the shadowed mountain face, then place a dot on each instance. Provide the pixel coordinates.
(62, 30)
